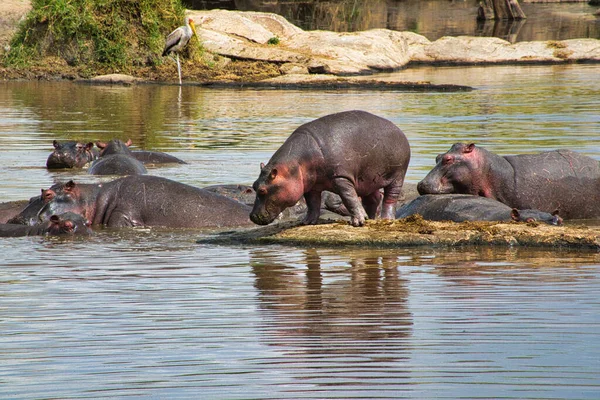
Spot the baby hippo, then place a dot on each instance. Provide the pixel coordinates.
(64, 224)
(352, 153)
(466, 207)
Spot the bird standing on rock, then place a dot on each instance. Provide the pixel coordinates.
(178, 39)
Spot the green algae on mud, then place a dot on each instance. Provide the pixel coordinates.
(415, 231)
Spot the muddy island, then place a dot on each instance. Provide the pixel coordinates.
(415, 231)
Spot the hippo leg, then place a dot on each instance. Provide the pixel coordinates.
(372, 203)
(313, 205)
(391, 194)
(347, 192)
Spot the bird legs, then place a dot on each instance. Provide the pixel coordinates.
(178, 66)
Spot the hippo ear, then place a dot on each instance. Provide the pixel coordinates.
(89, 146)
(555, 213)
(55, 144)
(100, 145)
(273, 174)
(514, 215)
(262, 165)
(469, 148)
(128, 142)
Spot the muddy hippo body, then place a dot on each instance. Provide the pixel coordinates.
(71, 154)
(466, 207)
(555, 180)
(64, 224)
(351, 153)
(116, 159)
(152, 201)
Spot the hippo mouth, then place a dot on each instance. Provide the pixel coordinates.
(262, 218)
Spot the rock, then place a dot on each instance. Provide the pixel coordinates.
(353, 53)
(490, 50)
(253, 26)
(293, 69)
(112, 79)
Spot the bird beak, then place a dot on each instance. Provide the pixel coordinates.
(193, 28)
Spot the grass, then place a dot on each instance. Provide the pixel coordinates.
(113, 34)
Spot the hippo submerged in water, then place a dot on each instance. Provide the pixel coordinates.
(143, 200)
(63, 224)
(351, 153)
(73, 154)
(466, 207)
(555, 180)
(116, 159)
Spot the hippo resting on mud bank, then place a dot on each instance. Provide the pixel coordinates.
(351, 153)
(56, 225)
(560, 180)
(142, 200)
(466, 207)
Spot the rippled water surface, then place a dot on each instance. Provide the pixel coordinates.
(149, 313)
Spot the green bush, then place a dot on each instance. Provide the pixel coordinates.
(111, 33)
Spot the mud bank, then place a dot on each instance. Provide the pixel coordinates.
(414, 231)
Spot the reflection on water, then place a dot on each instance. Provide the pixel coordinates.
(430, 18)
(149, 313)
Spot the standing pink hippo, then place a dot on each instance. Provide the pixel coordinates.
(554, 180)
(352, 153)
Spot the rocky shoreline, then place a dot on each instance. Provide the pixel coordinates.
(256, 49)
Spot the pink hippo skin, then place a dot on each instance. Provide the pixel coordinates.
(559, 180)
(351, 153)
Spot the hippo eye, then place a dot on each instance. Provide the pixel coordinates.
(262, 191)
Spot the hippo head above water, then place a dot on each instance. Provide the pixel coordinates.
(115, 146)
(71, 155)
(68, 224)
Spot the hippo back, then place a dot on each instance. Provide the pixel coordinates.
(558, 180)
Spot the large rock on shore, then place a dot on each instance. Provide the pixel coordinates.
(246, 35)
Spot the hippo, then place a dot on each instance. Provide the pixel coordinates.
(145, 200)
(63, 224)
(155, 157)
(77, 154)
(71, 154)
(28, 214)
(352, 153)
(467, 207)
(240, 192)
(554, 180)
(116, 159)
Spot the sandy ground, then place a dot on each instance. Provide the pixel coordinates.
(11, 12)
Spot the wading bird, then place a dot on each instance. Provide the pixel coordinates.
(178, 39)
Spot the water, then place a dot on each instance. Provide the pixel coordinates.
(148, 313)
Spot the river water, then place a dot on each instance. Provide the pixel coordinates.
(149, 313)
